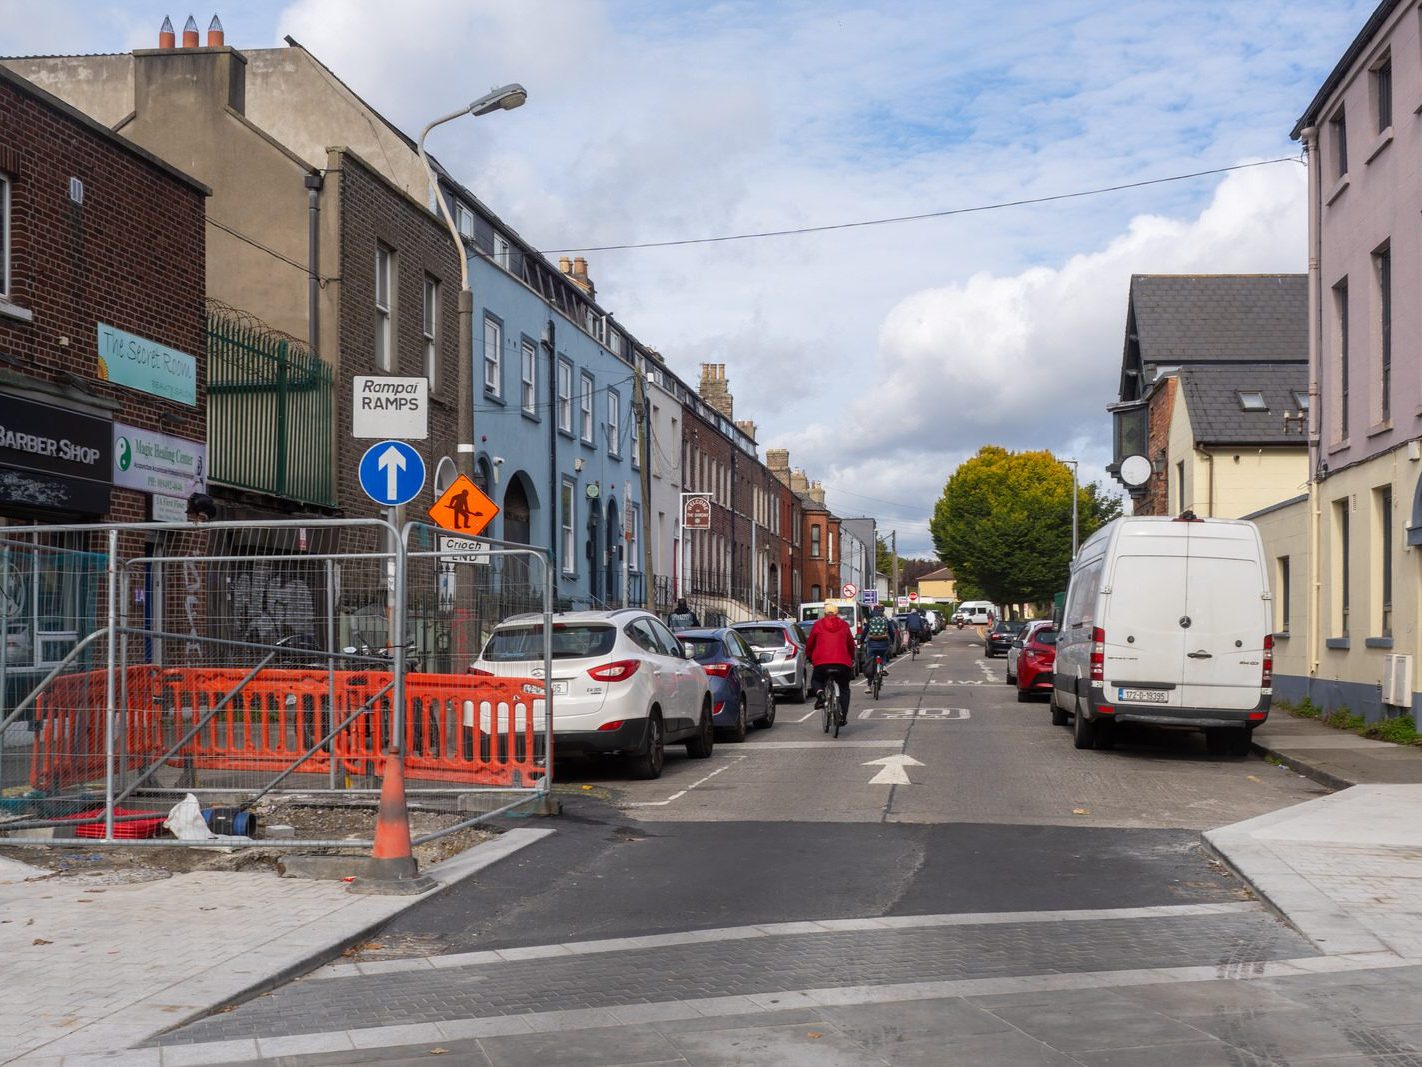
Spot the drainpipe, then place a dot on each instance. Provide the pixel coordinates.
(1210, 485)
(314, 182)
(1315, 416)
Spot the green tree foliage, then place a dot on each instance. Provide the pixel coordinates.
(1003, 523)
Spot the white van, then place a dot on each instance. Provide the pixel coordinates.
(976, 612)
(1167, 621)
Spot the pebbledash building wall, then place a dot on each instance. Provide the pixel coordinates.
(1347, 558)
(102, 374)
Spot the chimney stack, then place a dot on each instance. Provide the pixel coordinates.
(215, 37)
(798, 482)
(577, 273)
(715, 390)
(747, 427)
(817, 493)
(190, 33)
(166, 37)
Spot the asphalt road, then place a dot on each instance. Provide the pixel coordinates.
(999, 813)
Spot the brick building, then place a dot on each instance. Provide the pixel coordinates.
(103, 388)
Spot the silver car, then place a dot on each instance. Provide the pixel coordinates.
(780, 646)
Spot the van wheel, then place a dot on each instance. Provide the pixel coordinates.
(1083, 733)
(1059, 715)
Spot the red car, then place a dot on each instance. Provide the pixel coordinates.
(1035, 662)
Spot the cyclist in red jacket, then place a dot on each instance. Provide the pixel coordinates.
(830, 647)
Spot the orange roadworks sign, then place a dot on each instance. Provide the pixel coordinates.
(463, 508)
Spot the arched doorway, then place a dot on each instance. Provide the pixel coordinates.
(594, 547)
(613, 531)
(518, 528)
(772, 588)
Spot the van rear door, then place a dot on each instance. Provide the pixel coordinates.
(1145, 646)
(1224, 644)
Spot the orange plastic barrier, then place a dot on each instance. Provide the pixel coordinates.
(458, 728)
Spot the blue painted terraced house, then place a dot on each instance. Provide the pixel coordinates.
(555, 426)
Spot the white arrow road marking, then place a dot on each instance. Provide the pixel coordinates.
(893, 772)
(392, 463)
(932, 666)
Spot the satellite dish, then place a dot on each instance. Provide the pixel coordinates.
(1135, 470)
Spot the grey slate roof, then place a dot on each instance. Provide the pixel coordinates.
(1192, 318)
(1211, 396)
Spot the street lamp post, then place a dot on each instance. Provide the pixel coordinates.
(504, 98)
(1073, 506)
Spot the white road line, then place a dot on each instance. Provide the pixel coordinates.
(765, 746)
(677, 796)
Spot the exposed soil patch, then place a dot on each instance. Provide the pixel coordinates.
(114, 865)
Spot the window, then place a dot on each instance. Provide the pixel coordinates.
(1382, 266)
(1382, 94)
(1338, 127)
(1282, 604)
(493, 354)
(634, 525)
(1342, 592)
(1340, 303)
(815, 597)
(565, 396)
(384, 286)
(529, 378)
(4, 235)
(431, 332)
(1300, 400)
(464, 220)
(614, 342)
(815, 543)
(1252, 400)
(568, 519)
(637, 436)
(585, 407)
(502, 251)
(614, 423)
(1382, 552)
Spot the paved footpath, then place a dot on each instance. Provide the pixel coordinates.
(1231, 983)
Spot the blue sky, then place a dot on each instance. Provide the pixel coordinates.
(881, 357)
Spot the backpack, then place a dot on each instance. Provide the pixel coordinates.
(877, 628)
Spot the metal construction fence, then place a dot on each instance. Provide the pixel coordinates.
(245, 661)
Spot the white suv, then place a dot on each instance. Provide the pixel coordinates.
(622, 683)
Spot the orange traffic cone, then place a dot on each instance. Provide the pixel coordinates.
(392, 865)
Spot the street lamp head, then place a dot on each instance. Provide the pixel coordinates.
(504, 98)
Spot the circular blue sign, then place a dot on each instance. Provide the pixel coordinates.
(392, 473)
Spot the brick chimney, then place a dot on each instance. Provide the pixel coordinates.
(777, 461)
(817, 493)
(798, 482)
(577, 273)
(747, 427)
(714, 388)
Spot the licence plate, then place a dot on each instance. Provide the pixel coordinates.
(560, 689)
(1145, 696)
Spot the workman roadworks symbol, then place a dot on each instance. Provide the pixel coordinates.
(463, 508)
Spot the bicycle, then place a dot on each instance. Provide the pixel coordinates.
(914, 642)
(879, 671)
(832, 715)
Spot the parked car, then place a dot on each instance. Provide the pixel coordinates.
(621, 684)
(1014, 651)
(999, 636)
(741, 692)
(780, 644)
(1167, 621)
(1035, 661)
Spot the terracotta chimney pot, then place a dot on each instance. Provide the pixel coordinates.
(190, 33)
(166, 37)
(215, 37)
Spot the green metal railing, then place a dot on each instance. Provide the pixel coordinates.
(268, 410)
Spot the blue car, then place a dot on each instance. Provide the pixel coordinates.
(741, 692)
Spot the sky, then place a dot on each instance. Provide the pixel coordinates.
(881, 356)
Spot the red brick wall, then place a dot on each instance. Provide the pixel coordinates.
(1156, 499)
(371, 211)
(131, 255)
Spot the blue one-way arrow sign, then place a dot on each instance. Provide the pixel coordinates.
(392, 473)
